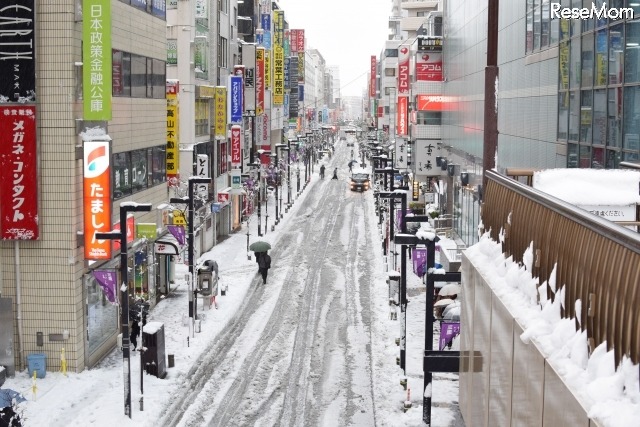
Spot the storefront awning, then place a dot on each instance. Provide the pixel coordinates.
(167, 245)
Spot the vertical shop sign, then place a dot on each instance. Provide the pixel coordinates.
(97, 198)
(220, 112)
(96, 59)
(402, 126)
(19, 173)
(17, 55)
(236, 146)
(249, 60)
(403, 70)
(129, 232)
(372, 77)
(278, 75)
(173, 88)
(278, 28)
(235, 99)
(259, 81)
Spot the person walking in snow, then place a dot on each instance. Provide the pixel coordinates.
(322, 172)
(264, 264)
(335, 174)
(133, 335)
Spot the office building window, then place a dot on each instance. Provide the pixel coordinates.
(137, 76)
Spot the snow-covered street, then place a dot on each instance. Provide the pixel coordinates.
(314, 346)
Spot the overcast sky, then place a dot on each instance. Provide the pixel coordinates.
(346, 32)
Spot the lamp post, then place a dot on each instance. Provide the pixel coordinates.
(288, 173)
(275, 157)
(283, 147)
(193, 180)
(258, 166)
(125, 208)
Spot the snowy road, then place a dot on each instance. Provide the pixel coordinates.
(299, 350)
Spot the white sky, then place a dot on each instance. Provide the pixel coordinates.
(345, 32)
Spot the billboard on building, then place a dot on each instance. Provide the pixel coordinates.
(19, 173)
(278, 27)
(278, 75)
(220, 114)
(401, 155)
(96, 59)
(97, 198)
(429, 59)
(236, 146)
(17, 56)
(235, 99)
(260, 80)
(249, 62)
(173, 119)
(403, 70)
(424, 160)
(402, 125)
(435, 103)
(372, 77)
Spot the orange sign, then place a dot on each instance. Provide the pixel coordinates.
(131, 226)
(97, 198)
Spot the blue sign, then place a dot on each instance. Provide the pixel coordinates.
(287, 78)
(259, 39)
(265, 20)
(235, 99)
(266, 39)
(300, 92)
(215, 207)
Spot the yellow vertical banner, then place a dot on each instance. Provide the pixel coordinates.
(267, 69)
(220, 112)
(278, 75)
(172, 133)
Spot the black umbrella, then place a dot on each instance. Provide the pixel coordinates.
(260, 246)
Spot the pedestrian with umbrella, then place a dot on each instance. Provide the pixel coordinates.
(262, 258)
(8, 416)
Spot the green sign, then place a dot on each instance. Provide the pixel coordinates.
(96, 59)
(172, 51)
(146, 229)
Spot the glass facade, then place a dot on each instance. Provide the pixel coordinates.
(598, 84)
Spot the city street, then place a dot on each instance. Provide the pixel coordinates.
(299, 350)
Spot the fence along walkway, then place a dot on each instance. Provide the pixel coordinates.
(598, 261)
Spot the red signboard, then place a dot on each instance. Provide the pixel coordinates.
(403, 70)
(223, 197)
(372, 82)
(429, 66)
(402, 127)
(19, 173)
(236, 146)
(131, 227)
(259, 80)
(299, 41)
(293, 36)
(435, 103)
(380, 111)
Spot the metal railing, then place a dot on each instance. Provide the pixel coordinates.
(597, 261)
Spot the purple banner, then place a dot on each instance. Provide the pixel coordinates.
(107, 281)
(178, 232)
(419, 256)
(399, 218)
(448, 331)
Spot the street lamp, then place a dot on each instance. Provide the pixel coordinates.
(258, 166)
(193, 180)
(275, 157)
(283, 147)
(125, 208)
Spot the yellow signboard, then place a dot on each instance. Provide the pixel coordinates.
(267, 69)
(220, 114)
(178, 218)
(278, 75)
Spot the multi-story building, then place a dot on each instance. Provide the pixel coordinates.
(104, 111)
